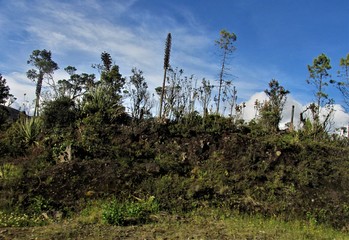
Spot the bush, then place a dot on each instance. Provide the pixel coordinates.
(23, 134)
(60, 113)
(129, 212)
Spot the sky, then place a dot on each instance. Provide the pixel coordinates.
(276, 39)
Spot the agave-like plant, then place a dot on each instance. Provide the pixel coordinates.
(101, 99)
(28, 130)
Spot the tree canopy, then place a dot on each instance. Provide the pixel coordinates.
(4, 90)
(45, 66)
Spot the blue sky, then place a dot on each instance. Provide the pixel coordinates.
(275, 39)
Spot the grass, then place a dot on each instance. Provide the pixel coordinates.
(202, 224)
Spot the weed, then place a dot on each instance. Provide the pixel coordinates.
(20, 220)
(9, 171)
(129, 212)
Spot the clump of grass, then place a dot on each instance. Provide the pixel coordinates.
(9, 171)
(129, 212)
(20, 220)
(205, 223)
(92, 213)
(243, 226)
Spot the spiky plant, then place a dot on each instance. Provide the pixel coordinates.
(28, 130)
(166, 67)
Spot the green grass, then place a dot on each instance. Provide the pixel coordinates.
(202, 224)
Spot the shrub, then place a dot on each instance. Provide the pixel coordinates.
(9, 171)
(23, 134)
(129, 212)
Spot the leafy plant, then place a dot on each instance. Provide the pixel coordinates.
(9, 171)
(129, 212)
(28, 130)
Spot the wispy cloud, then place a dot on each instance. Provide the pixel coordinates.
(63, 29)
(77, 34)
(78, 31)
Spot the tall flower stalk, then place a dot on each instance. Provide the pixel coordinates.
(166, 67)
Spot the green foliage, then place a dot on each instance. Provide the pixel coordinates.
(4, 95)
(110, 76)
(28, 130)
(20, 220)
(4, 91)
(101, 112)
(38, 205)
(271, 111)
(170, 191)
(205, 91)
(10, 172)
(217, 124)
(139, 95)
(188, 161)
(226, 40)
(91, 213)
(42, 60)
(24, 133)
(129, 212)
(4, 116)
(45, 66)
(59, 113)
(226, 44)
(178, 95)
(76, 85)
(101, 100)
(318, 77)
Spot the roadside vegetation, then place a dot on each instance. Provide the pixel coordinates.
(87, 165)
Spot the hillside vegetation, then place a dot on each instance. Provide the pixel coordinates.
(236, 167)
(83, 156)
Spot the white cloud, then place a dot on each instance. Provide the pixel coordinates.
(22, 89)
(249, 111)
(19, 85)
(339, 118)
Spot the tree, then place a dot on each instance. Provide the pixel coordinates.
(76, 85)
(171, 94)
(343, 84)
(188, 96)
(4, 95)
(110, 73)
(102, 109)
(225, 43)
(205, 91)
(4, 90)
(105, 95)
(166, 67)
(110, 76)
(111, 83)
(318, 77)
(139, 95)
(230, 95)
(45, 66)
(271, 110)
(59, 113)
